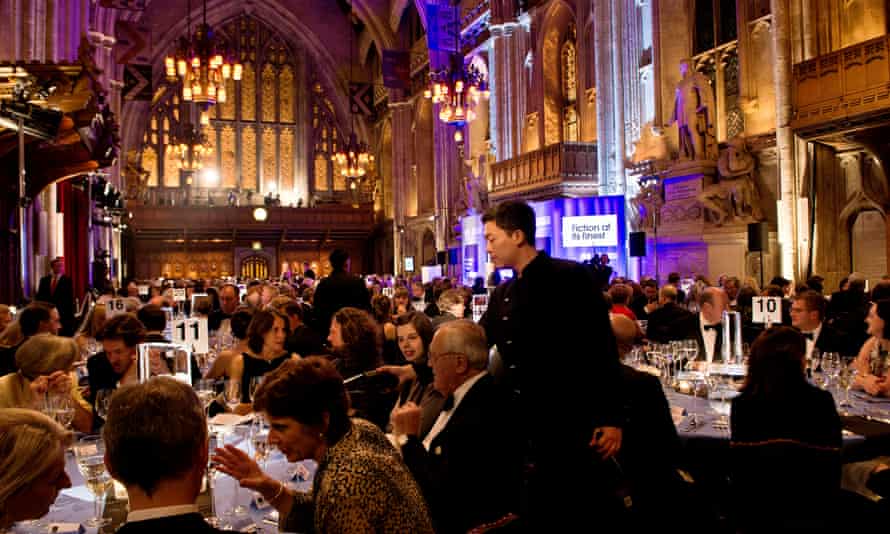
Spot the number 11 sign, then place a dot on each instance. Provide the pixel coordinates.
(767, 310)
(191, 333)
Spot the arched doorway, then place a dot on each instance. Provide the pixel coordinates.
(428, 248)
(869, 238)
(255, 267)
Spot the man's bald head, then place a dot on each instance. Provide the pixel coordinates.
(713, 302)
(625, 330)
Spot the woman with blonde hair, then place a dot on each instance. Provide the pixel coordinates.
(44, 365)
(92, 325)
(32, 464)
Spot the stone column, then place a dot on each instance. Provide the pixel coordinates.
(401, 167)
(787, 198)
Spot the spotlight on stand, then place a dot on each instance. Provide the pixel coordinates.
(36, 121)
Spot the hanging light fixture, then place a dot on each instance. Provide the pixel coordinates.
(191, 146)
(457, 88)
(353, 159)
(201, 64)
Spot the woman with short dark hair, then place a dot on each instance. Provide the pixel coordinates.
(361, 484)
(873, 363)
(414, 334)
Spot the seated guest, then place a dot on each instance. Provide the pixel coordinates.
(32, 464)
(381, 308)
(355, 341)
(5, 316)
(265, 352)
(228, 303)
(708, 327)
(786, 439)
(418, 296)
(808, 316)
(239, 322)
(45, 363)
(650, 446)
(89, 330)
(154, 319)
(401, 301)
(451, 305)
(881, 291)
(415, 333)
(301, 340)
(674, 280)
(847, 310)
(669, 322)
(156, 446)
(361, 485)
(37, 318)
(469, 465)
(116, 364)
(620, 295)
(732, 285)
(872, 364)
(647, 302)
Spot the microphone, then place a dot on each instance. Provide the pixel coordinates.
(372, 380)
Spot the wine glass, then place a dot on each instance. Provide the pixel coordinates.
(846, 377)
(260, 442)
(103, 400)
(60, 407)
(233, 394)
(90, 455)
(254, 385)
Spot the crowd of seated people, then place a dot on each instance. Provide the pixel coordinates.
(390, 371)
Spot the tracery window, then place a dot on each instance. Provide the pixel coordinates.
(568, 75)
(255, 134)
(715, 45)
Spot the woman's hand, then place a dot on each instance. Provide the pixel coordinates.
(403, 372)
(59, 382)
(39, 386)
(238, 465)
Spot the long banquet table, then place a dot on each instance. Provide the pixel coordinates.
(75, 504)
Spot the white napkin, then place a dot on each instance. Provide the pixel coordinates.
(230, 419)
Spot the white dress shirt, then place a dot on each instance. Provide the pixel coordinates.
(444, 416)
(161, 511)
(709, 336)
(811, 343)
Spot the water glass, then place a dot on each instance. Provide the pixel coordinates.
(60, 406)
(233, 393)
(103, 400)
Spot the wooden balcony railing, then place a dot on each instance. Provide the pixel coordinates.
(843, 88)
(561, 169)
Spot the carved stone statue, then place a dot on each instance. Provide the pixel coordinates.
(735, 196)
(694, 111)
(647, 203)
(475, 194)
(652, 144)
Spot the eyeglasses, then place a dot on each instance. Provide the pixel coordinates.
(435, 357)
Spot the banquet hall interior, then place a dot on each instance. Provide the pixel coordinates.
(659, 227)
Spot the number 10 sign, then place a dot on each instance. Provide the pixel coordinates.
(767, 310)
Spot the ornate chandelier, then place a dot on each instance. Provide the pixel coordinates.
(354, 160)
(457, 90)
(202, 65)
(191, 146)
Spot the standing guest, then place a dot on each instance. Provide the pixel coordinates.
(361, 484)
(415, 333)
(786, 440)
(581, 404)
(464, 486)
(58, 289)
(32, 466)
(808, 317)
(45, 363)
(339, 290)
(670, 321)
(156, 446)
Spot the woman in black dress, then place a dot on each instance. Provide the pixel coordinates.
(265, 343)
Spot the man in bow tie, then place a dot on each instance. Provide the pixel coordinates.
(468, 465)
(708, 329)
(808, 316)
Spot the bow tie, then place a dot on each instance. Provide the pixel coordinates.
(717, 326)
(449, 403)
(808, 335)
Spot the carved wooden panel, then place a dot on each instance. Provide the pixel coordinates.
(248, 93)
(286, 161)
(227, 153)
(248, 158)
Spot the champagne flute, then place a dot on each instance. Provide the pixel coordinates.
(254, 385)
(103, 399)
(233, 394)
(90, 455)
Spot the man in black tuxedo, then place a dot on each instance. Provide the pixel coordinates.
(468, 465)
(808, 316)
(339, 290)
(58, 289)
(707, 328)
(156, 445)
(669, 322)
